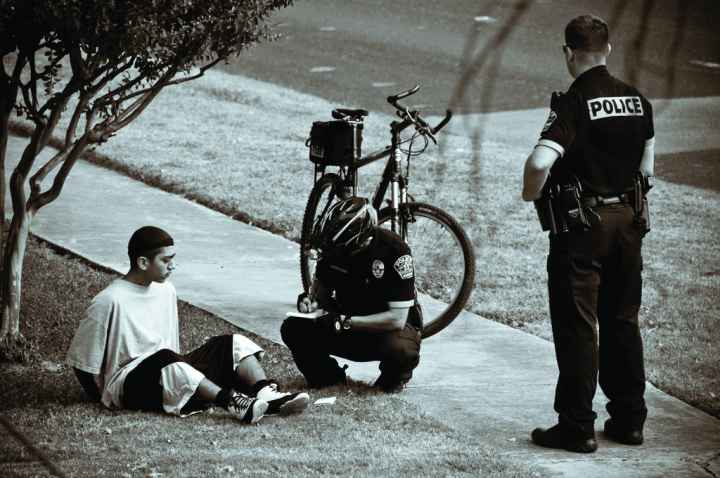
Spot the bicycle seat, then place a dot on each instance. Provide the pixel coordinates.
(345, 113)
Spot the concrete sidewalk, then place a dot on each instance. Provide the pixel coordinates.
(483, 378)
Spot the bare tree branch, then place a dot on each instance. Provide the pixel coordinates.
(71, 158)
(37, 179)
(77, 64)
(202, 71)
(33, 82)
(59, 102)
(139, 105)
(27, 100)
(79, 108)
(17, 178)
(109, 97)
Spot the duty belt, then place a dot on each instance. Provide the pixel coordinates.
(594, 201)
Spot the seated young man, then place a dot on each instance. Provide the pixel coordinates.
(126, 350)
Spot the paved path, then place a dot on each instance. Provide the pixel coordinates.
(478, 376)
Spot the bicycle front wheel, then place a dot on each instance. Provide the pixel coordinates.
(324, 194)
(444, 261)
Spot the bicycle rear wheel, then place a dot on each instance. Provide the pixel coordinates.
(323, 195)
(444, 261)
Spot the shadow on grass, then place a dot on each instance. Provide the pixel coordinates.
(697, 168)
(30, 386)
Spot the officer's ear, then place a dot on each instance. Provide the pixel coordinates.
(608, 49)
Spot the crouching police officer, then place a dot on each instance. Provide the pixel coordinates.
(588, 175)
(365, 282)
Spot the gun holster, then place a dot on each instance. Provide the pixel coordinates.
(640, 203)
(560, 207)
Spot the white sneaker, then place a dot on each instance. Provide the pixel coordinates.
(247, 409)
(283, 403)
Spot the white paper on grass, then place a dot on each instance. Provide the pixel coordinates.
(325, 401)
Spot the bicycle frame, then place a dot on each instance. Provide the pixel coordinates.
(392, 174)
(391, 177)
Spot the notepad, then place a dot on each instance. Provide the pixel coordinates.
(309, 315)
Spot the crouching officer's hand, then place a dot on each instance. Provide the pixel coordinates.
(334, 322)
(305, 304)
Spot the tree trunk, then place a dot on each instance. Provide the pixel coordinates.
(12, 344)
(4, 134)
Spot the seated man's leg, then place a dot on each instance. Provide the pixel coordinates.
(233, 361)
(400, 354)
(142, 389)
(165, 382)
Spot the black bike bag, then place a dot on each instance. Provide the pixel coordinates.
(335, 143)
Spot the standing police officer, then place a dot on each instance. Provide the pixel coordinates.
(598, 138)
(365, 282)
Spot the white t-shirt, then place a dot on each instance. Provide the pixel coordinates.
(124, 324)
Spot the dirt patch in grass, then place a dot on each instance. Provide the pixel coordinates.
(698, 168)
(363, 434)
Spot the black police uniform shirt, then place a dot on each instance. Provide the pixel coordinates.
(375, 280)
(599, 127)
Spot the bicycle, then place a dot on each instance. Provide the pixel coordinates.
(443, 254)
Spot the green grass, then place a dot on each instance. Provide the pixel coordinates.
(364, 433)
(237, 145)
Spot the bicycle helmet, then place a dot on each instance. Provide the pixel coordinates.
(347, 225)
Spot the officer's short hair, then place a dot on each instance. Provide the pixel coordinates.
(588, 33)
(147, 242)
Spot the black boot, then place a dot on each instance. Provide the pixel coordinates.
(329, 377)
(559, 437)
(624, 435)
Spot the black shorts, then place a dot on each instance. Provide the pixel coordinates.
(214, 359)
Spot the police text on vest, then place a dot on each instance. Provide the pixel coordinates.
(606, 107)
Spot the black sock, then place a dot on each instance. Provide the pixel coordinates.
(223, 397)
(259, 385)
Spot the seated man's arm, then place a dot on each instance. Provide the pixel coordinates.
(87, 380)
(87, 349)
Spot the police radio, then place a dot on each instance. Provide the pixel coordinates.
(641, 210)
(560, 207)
(544, 208)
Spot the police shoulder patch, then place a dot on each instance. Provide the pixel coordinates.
(378, 268)
(404, 266)
(551, 119)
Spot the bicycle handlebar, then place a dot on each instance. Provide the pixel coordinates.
(413, 117)
(443, 122)
(393, 99)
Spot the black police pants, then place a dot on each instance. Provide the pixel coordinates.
(595, 282)
(311, 347)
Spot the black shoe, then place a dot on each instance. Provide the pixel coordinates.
(390, 386)
(626, 436)
(335, 377)
(557, 437)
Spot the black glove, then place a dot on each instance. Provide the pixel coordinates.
(302, 296)
(331, 321)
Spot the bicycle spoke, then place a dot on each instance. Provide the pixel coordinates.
(444, 263)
